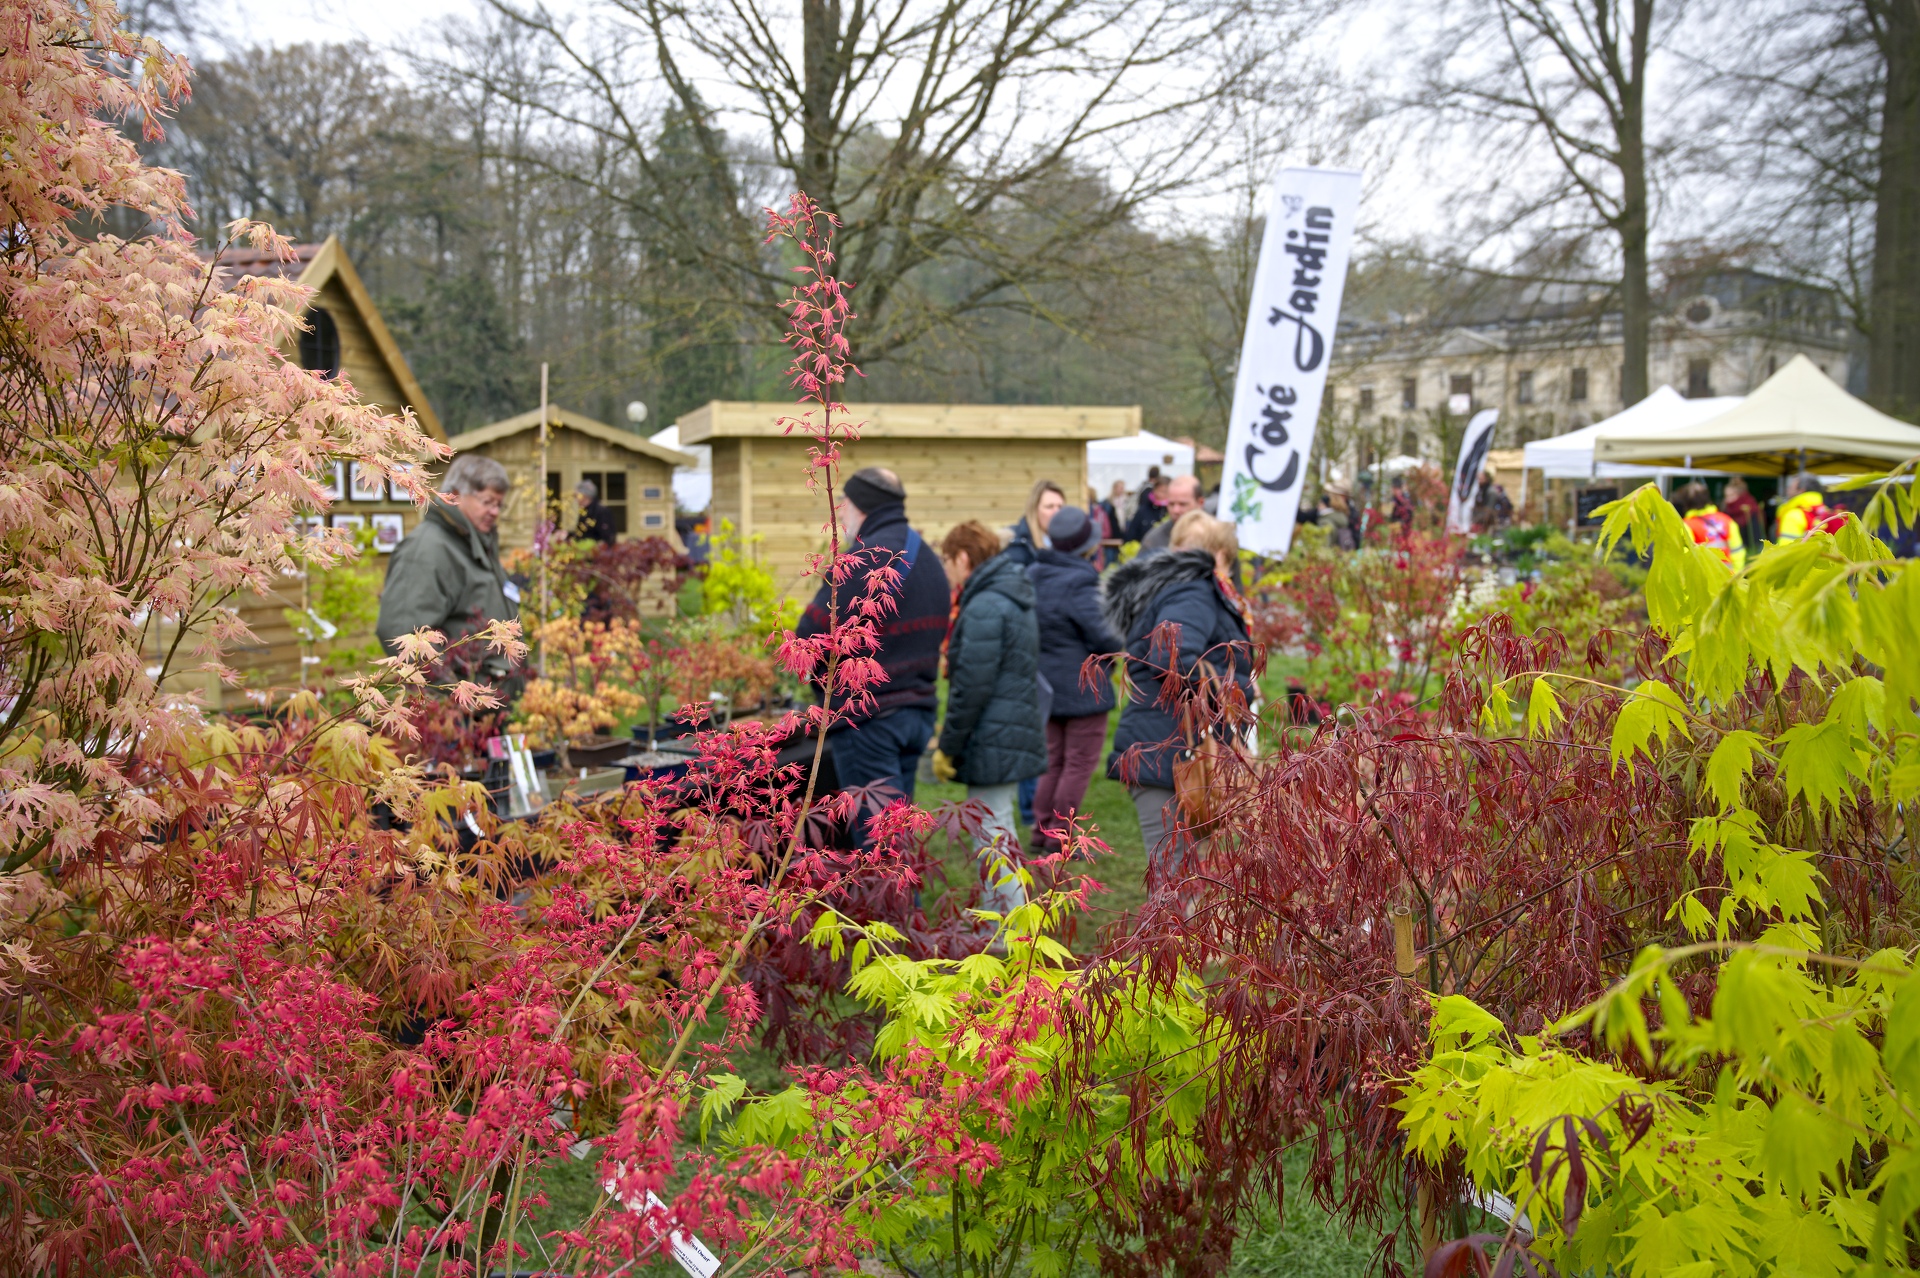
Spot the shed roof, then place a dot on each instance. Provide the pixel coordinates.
(316, 265)
(736, 419)
(558, 416)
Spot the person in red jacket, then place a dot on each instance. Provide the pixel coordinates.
(1710, 525)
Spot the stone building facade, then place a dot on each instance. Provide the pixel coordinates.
(1549, 357)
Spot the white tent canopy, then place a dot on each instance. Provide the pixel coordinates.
(1797, 420)
(1571, 456)
(692, 487)
(1127, 458)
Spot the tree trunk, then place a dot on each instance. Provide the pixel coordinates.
(820, 37)
(1636, 302)
(1893, 341)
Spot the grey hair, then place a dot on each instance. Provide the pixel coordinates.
(473, 473)
(588, 489)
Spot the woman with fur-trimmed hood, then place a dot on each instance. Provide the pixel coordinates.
(1189, 587)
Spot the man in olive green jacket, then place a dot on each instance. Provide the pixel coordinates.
(446, 573)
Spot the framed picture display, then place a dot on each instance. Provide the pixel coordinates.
(310, 525)
(387, 532)
(333, 480)
(368, 484)
(352, 523)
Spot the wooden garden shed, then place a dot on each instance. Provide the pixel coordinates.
(345, 337)
(958, 462)
(634, 474)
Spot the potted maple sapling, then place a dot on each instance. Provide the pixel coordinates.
(587, 689)
(657, 679)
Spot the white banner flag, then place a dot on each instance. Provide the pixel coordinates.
(1291, 322)
(1466, 471)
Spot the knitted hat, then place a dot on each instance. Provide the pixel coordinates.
(1072, 532)
(873, 488)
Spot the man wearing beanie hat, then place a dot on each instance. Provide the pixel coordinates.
(1067, 587)
(884, 743)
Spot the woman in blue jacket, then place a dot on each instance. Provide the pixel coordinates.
(1066, 587)
(1189, 588)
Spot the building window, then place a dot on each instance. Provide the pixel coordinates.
(320, 344)
(1699, 378)
(650, 494)
(654, 521)
(1578, 390)
(1409, 392)
(1460, 384)
(613, 494)
(1773, 365)
(1523, 388)
(1366, 399)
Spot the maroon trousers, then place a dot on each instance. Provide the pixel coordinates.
(1073, 752)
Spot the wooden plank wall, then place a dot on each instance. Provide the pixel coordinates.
(948, 481)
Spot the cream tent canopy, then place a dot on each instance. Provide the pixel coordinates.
(1797, 420)
(1570, 456)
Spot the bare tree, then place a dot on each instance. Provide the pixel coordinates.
(301, 136)
(1569, 77)
(1832, 147)
(941, 131)
(1893, 351)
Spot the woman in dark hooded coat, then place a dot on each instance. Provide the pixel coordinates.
(1190, 588)
(1066, 586)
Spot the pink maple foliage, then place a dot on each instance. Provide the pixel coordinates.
(157, 450)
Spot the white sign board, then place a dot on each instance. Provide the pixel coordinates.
(1291, 322)
(1466, 471)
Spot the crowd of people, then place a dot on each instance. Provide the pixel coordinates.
(1012, 618)
(1738, 522)
(1027, 625)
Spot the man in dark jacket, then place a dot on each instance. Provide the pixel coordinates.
(445, 575)
(884, 741)
(994, 737)
(1067, 589)
(1190, 588)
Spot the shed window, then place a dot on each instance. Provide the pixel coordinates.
(320, 343)
(1578, 389)
(650, 494)
(654, 521)
(613, 494)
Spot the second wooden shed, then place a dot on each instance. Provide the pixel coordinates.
(958, 462)
(634, 474)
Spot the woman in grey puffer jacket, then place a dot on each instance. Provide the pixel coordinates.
(993, 737)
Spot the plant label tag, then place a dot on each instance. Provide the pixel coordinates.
(691, 1254)
(512, 592)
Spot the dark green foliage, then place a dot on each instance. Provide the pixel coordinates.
(473, 366)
